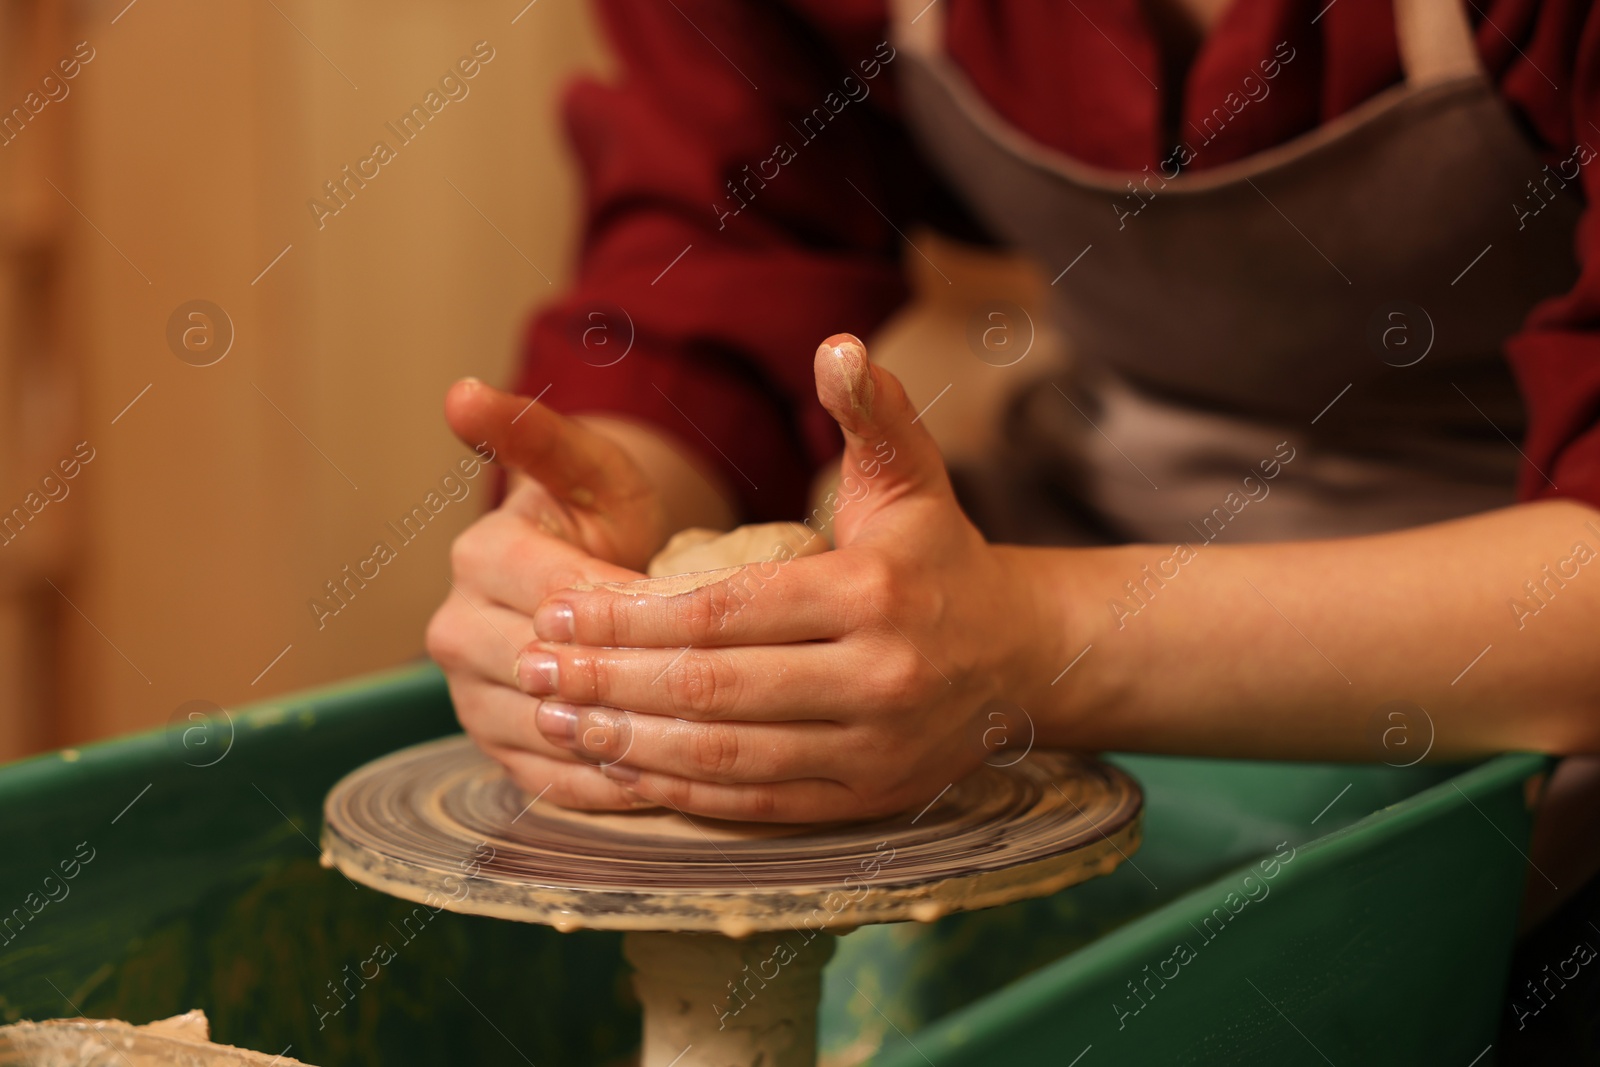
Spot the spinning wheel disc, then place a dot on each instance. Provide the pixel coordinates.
(442, 824)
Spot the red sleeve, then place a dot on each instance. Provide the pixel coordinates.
(1552, 78)
(718, 293)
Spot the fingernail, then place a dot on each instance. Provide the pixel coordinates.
(620, 773)
(553, 622)
(538, 673)
(558, 722)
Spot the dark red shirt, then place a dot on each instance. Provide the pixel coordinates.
(723, 311)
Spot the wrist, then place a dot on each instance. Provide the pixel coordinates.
(1035, 625)
(1070, 672)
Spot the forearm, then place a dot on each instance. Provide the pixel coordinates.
(1289, 650)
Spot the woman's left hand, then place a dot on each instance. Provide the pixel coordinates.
(850, 684)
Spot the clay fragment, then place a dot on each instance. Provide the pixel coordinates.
(180, 1041)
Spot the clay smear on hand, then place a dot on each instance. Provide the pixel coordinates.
(851, 371)
(670, 585)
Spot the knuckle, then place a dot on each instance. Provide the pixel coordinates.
(702, 614)
(698, 685)
(736, 594)
(443, 637)
(761, 801)
(521, 555)
(714, 753)
(469, 551)
(533, 559)
(554, 575)
(603, 619)
(880, 582)
(875, 602)
(900, 673)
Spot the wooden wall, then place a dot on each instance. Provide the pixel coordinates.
(216, 506)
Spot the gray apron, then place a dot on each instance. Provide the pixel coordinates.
(1206, 332)
(1341, 299)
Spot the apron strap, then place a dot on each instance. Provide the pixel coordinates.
(917, 26)
(1436, 43)
(1435, 38)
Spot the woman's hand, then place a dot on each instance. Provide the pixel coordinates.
(579, 509)
(846, 685)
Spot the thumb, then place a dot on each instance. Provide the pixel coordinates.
(884, 446)
(560, 454)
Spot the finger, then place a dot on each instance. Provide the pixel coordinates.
(875, 788)
(811, 800)
(525, 435)
(501, 717)
(887, 455)
(508, 559)
(756, 683)
(567, 785)
(707, 752)
(470, 634)
(765, 603)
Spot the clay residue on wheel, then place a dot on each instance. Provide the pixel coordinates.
(403, 823)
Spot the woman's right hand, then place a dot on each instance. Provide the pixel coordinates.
(579, 509)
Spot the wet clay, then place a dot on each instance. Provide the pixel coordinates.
(699, 549)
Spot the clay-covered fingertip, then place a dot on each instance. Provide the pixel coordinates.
(844, 375)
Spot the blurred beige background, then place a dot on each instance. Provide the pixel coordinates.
(181, 561)
(178, 563)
